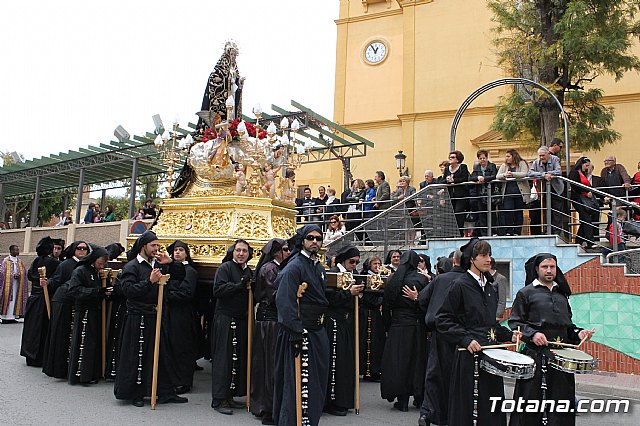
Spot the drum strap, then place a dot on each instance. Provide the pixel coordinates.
(476, 375)
(543, 369)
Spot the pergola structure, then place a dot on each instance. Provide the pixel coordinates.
(129, 159)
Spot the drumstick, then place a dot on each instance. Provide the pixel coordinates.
(518, 340)
(566, 345)
(584, 339)
(504, 345)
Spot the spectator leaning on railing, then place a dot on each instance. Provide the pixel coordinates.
(457, 172)
(383, 191)
(428, 179)
(545, 168)
(615, 178)
(585, 203)
(306, 205)
(484, 171)
(515, 193)
(369, 196)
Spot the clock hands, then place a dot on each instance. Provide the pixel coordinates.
(375, 49)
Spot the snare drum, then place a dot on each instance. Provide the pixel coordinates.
(503, 363)
(573, 361)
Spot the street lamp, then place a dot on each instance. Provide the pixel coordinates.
(400, 161)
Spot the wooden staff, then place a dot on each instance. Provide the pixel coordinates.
(114, 274)
(104, 274)
(504, 345)
(298, 365)
(156, 345)
(357, 342)
(42, 271)
(249, 338)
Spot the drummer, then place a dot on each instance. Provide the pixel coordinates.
(467, 319)
(541, 310)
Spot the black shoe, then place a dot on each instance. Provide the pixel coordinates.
(138, 402)
(422, 421)
(172, 399)
(197, 368)
(267, 419)
(222, 407)
(182, 389)
(234, 404)
(335, 411)
(404, 407)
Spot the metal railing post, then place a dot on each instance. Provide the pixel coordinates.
(489, 211)
(547, 207)
(614, 219)
(385, 244)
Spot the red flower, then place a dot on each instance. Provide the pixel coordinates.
(262, 135)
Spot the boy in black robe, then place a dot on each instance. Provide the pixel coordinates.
(139, 284)
(265, 329)
(57, 346)
(340, 330)
(179, 324)
(229, 329)
(86, 289)
(36, 319)
(434, 408)
(542, 311)
(301, 331)
(467, 318)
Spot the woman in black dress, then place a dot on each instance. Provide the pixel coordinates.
(457, 172)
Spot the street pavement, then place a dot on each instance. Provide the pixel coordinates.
(28, 397)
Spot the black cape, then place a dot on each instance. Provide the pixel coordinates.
(229, 332)
(36, 321)
(536, 309)
(299, 269)
(469, 313)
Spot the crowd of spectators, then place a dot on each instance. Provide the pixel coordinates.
(510, 189)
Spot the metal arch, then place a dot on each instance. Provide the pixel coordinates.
(502, 82)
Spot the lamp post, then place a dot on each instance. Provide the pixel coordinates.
(400, 161)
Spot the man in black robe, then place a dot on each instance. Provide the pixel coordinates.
(139, 284)
(301, 331)
(57, 346)
(265, 329)
(340, 330)
(542, 311)
(372, 333)
(404, 357)
(436, 380)
(229, 329)
(58, 248)
(467, 319)
(179, 325)
(36, 320)
(85, 287)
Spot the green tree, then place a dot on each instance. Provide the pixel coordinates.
(120, 205)
(563, 45)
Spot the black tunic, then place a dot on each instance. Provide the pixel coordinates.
(265, 334)
(179, 327)
(229, 332)
(57, 346)
(372, 335)
(117, 310)
(438, 373)
(404, 358)
(137, 337)
(36, 321)
(313, 304)
(536, 309)
(85, 358)
(341, 333)
(469, 313)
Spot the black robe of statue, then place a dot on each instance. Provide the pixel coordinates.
(265, 334)
(36, 321)
(313, 305)
(118, 310)
(372, 335)
(179, 328)
(229, 332)
(437, 376)
(137, 336)
(469, 313)
(404, 358)
(57, 346)
(536, 309)
(85, 359)
(340, 325)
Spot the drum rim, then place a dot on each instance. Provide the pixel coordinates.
(516, 355)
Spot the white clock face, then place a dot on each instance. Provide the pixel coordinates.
(375, 52)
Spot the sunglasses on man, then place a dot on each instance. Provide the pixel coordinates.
(313, 237)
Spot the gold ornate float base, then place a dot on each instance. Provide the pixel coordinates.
(210, 225)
